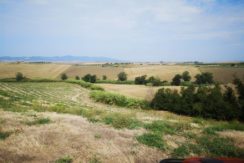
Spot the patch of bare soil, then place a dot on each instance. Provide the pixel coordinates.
(70, 135)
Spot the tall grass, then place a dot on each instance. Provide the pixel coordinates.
(117, 99)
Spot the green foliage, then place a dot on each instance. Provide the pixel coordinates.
(90, 78)
(154, 81)
(209, 146)
(204, 78)
(117, 99)
(205, 102)
(160, 127)
(65, 159)
(176, 80)
(77, 77)
(86, 84)
(64, 76)
(234, 125)
(186, 76)
(141, 80)
(39, 121)
(19, 76)
(120, 121)
(152, 140)
(104, 77)
(122, 76)
(94, 159)
(115, 81)
(4, 135)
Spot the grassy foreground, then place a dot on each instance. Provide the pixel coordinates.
(189, 136)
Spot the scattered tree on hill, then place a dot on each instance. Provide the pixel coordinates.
(122, 76)
(90, 78)
(204, 78)
(141, 79)
(19, 76)
(186, 76)
(87, 77)
(93, 79)
(176, 80)
(64, 76)
(77, 77)
(104, 77)
(155, 81)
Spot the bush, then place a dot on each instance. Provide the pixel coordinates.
(90, 78)
(176, 80)
(64, 76)
(117, 99)
(186, 76)
(77, 77)
(122, 76)
(104, 77)
(154, 81)
(205, 102)
(141, 79)
(204, 78)
(19, 76)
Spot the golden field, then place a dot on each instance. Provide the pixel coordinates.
(164, 72)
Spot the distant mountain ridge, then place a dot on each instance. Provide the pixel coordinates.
(67, 58)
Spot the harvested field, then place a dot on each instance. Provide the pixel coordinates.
(224, 74)
(51, 71)
(110, 72)
(164, 72)
(136, 91)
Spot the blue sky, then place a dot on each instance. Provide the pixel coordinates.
(136, 30)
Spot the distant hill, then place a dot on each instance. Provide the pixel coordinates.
(67, 58)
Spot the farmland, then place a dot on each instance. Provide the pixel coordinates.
(51, 121)
(164, 72)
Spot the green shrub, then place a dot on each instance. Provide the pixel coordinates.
(4, 135)
(122, 76)
(209, 146)
(39, 121)
(204, 78)
(176, 80)
(65, 159)
(90, 78)
(117, 99)
(115, 81)
(225, 126)
(160, 127)
(120, 121)
(64, 76)
(19, 76)
(86, 84)
(205, 102)
(152, 140)
(141, 80)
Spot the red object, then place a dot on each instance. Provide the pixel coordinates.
(213, 160)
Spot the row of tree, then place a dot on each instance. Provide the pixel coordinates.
(203, 101)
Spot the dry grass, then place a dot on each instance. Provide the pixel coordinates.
(8, 70)
(72, 136)
(136, 91)
(224, 74)
(110, 72)
(164, 72)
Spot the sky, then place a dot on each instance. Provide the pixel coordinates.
(133, 30)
